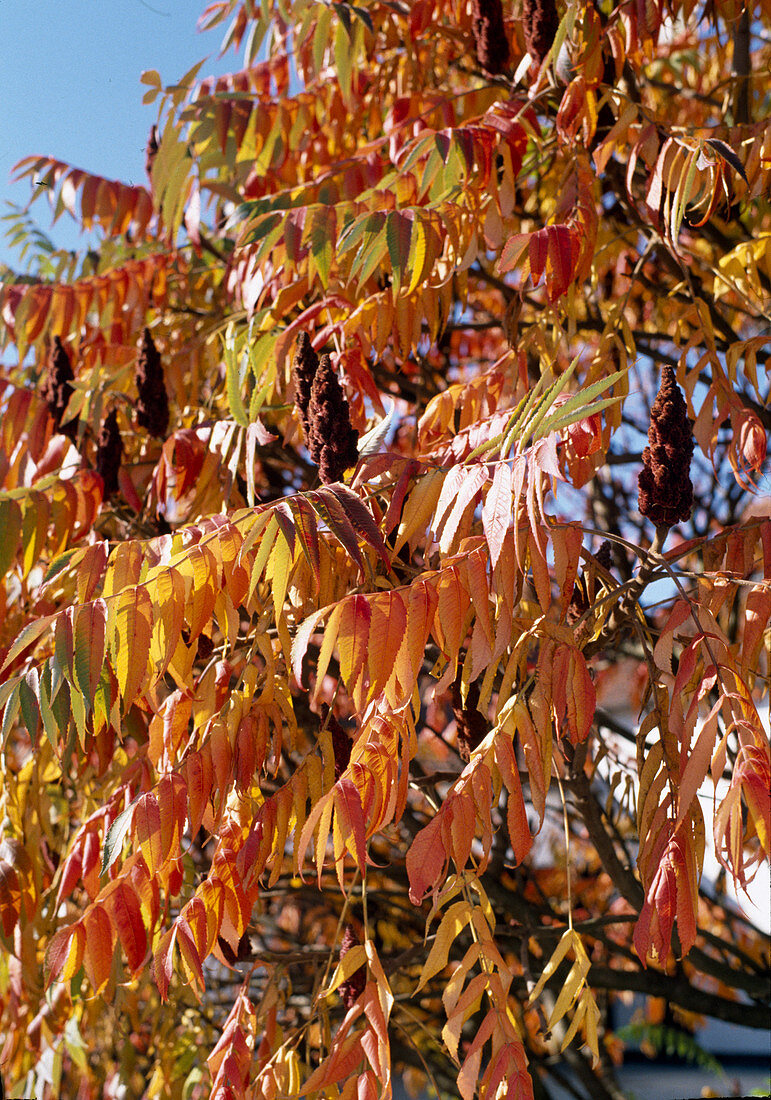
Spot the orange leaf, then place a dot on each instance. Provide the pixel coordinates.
(453, 603)
(64, 955)
(189, 954)
(100, 944)
(199, 775)
(146, 826)
(519, 827)
(342, 1060)
(10, 898)
(89, 647)
(163, 962)
(352, 639)
(172, 806)
(387, 630)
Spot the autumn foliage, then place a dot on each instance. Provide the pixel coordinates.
(385, 552)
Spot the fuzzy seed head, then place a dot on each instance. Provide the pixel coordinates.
(109, 450)
(470, 723)
(152, 407)
(57, 388)
(304, 367)
(539, 22)
(331, 439)
(492, 44)
(665, 492)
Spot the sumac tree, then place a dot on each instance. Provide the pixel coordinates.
(359, 719)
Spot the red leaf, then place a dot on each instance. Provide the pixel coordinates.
(564, 253)
(350, 818)
(426, 861)
(64, 955)
(198, 771)
(352, 638)
(539, 252)
(89, 647)
(123, 905)
(668, 896)
(332, 513)
(305, 525)
(361, 518)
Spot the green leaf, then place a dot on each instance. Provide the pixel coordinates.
(28, 692)
(559, 422)
(321, 37)
(547, 403)
(10, 530)
(398, 236)
(50, 684)
(234, 382)
(11, 711)
(60, 563)
(320, 235)
(343, 60)
(372, 250)
(264, 227)
(113, 842)
(578, 406)
(28, 636)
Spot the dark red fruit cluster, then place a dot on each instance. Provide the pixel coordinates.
(604, 555)
(665, 492)
(57, 388)
(539, 22)
(324, 412)
(351, 989)
(331, 439)
(152, 407)
(470, 723)
(304, 367)
(490, 36)
(109, 450)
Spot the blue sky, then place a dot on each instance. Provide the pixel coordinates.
(69, 87)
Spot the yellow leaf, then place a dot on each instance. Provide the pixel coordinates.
(453, 922)
(354, 958)
(420, 506)
(130, 636)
